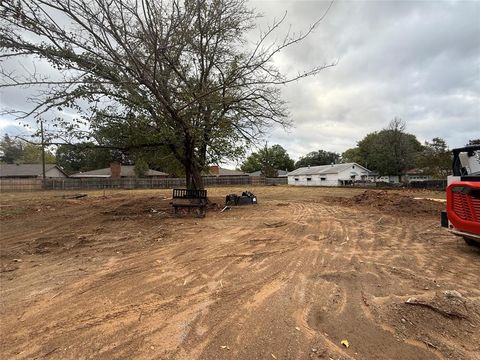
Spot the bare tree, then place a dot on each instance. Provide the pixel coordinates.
(181, 71)
(397, 142)
(402, 147)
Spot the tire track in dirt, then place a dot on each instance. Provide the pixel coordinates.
(259, 280)
(360, 325)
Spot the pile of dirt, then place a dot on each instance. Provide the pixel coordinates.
(450, 304)
(390, 202)
(438, 319)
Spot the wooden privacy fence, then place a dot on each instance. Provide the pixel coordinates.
(429, 184)
(30, 184)
(11, 185)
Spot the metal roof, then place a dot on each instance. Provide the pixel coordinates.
(228, 172)
(280, 173)
(125, 171)
(323, 169)
(25, 170)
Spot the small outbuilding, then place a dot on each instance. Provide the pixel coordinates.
(391, 179)
(417, 175)
(328, 175)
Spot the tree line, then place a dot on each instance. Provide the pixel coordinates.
(390, 151)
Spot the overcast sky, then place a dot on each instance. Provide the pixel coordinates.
(418, 60)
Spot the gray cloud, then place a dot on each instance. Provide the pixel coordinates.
(418, 60)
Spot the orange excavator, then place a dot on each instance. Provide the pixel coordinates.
(462, 216)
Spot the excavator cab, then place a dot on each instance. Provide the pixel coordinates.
(462, 216)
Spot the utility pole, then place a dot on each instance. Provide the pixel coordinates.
(43, 149)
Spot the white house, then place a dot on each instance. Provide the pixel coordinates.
(328, 175)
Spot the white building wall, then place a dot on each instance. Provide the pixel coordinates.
(386, 178)
(347, 174)
(315, 180)
(411, 178)
(390, 179)
(330, 179)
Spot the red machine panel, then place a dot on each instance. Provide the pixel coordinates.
(463, 206)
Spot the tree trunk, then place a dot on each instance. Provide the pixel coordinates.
(193, 177)
(193, 172)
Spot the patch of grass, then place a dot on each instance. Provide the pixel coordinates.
(11, 211)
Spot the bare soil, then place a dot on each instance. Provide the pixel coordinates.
(118, 276)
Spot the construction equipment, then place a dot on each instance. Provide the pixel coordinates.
(247, 198)
(462, 216)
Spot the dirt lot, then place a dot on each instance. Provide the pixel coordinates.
(119, 277)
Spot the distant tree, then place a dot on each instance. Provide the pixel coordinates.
(83, 157)
(140, 168)
(403, 147)
(268, 160)
(320, 157)
(11, 150)
(19, 151)
(473, 142)
(390, 151)
(32, 154)
(136, 133)
(160, 159)
(352, 155)
(436, 158)
(252, 163)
